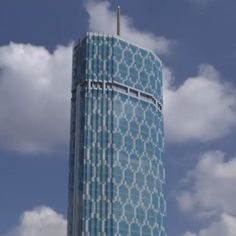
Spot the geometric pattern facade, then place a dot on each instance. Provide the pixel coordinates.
(117, 169)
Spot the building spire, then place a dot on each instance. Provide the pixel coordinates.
(118, 19)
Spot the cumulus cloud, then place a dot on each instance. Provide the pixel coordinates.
(211, 189)
(103, 19)
(211, 194)
(203, 108)
(42, 221)
(225, 226)
(34, 97)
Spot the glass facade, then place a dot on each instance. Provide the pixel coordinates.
(117, 139)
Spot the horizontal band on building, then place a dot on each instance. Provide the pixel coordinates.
(114, 86)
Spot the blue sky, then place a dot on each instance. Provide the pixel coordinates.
(196, 40)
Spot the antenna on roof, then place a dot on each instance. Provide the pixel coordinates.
(118, 19)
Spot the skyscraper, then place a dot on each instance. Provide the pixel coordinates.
(116, 151)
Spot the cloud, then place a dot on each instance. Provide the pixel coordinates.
(226, 226)
(41, 221)
(34, 97)
(102, 19)
(211, 194)
(210, 184)
(203, 108)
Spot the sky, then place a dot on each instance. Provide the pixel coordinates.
(195, 39)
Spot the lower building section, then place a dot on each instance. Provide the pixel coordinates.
(116, 163)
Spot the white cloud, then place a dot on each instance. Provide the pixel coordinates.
(34, 97)
(211, 194)
(226, 226)
(42, 221)
(102, 19)
(202, 108)
(211, 190)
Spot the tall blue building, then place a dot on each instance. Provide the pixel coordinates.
(116, 152)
